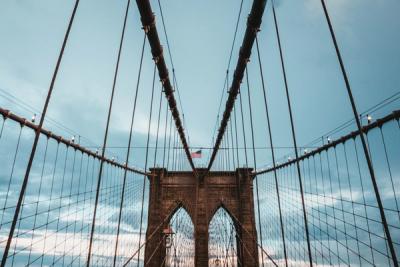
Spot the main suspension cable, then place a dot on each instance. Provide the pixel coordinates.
(226, 81)
(253, 26)
(148, 22)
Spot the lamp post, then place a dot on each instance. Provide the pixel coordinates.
(168, 235)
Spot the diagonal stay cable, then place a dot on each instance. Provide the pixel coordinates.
(362, 137)
(237, 221)
(129, 139)
(121, 42)
(293, 131)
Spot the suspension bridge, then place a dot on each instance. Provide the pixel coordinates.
(332, 202)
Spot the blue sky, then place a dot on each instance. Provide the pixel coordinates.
(200, 34)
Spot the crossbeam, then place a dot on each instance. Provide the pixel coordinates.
(22, 121)
(395, 115)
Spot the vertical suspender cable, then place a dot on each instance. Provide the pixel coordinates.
(2, 126)
(146, 159)
(60, 203)
(172, 64)
(228, 148)
(17, 149)
(396, 201)
(106, 136)
(272, 152)
(165, 134)
(233, 146)
(158, 128)
(293, 135)
(226, 85)
(129, 139)
(363, 199)
(173, 152)
(38, 200)
(243, 130)
(36, 140)
(236, 137)
(169, 141)
(51, 198)
(362, 138)
(255, 164)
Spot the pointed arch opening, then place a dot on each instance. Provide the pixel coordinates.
(222, 240)
(180, 247)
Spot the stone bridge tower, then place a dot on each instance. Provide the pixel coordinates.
(201, 198)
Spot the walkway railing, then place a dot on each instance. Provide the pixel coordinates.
(343, 215)
(55, 219)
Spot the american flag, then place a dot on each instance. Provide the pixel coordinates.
(196, 155)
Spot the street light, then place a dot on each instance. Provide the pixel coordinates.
(168, 239)
(168, 236)
(369, 118)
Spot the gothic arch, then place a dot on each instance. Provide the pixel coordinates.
(221, 205)
(179, 205)
(181, 248)
(224, 239)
